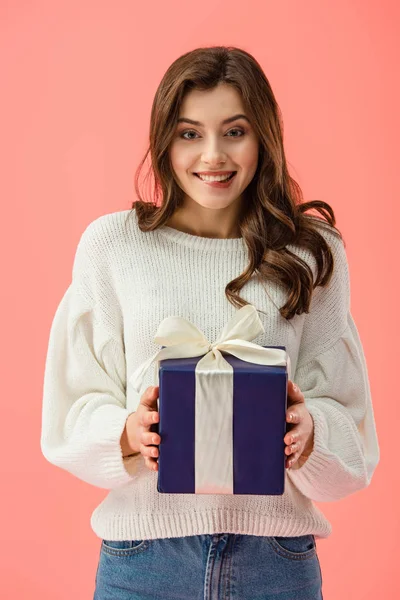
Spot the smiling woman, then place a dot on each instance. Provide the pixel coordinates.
(225, 227)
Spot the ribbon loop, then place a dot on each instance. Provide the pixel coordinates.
(182, 339)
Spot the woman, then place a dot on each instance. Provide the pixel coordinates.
(202, 250)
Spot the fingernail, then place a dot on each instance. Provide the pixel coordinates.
(295, 388)
(291, 417)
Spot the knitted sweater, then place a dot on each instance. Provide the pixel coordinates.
(124, 283)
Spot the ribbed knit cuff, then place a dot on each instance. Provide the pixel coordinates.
(317, 469)
(108, 423)
(332, 471)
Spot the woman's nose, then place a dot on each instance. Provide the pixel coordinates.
(213, 155)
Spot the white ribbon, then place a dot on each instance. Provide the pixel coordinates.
(214, 386)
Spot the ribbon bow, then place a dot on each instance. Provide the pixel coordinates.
(214, 386)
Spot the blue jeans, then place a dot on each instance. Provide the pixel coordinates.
(222, 566)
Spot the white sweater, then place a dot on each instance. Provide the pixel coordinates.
(124, 283)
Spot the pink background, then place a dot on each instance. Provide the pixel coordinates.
(77, 80)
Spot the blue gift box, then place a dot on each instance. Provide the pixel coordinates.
(259, 426)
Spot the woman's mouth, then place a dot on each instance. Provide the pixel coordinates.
(216, 183)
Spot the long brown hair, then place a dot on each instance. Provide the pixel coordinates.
(273, 214)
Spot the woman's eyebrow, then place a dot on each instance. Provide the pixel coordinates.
(234, 118)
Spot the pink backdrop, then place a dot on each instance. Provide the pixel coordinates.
(78, 78)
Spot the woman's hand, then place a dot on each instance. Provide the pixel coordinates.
(300, 438)
(139, 435)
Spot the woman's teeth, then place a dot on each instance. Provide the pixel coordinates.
(216, 177)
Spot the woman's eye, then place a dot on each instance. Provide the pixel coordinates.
(182, 135)
(239, 130)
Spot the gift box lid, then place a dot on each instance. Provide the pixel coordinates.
(188, 364)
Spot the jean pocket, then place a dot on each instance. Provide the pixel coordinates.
(124, 547)
(295, 547)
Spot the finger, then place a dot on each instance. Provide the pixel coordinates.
(148, 438)
(293, 415)
(149, 417)
(149, 451)
(293, 435)
(294, 393)
(151, 464)
(292, 459)
(292, 448)
(149, 397)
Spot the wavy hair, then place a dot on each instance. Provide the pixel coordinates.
(273, 213)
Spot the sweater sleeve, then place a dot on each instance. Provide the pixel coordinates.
(84, 403)
(332, 374)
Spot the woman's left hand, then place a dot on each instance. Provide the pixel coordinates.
(300, 439)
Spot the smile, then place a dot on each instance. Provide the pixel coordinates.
(216, 177)
(217, 181)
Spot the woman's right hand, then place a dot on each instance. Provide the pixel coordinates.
(137, 437)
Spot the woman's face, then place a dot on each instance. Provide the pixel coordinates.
(212, 145)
